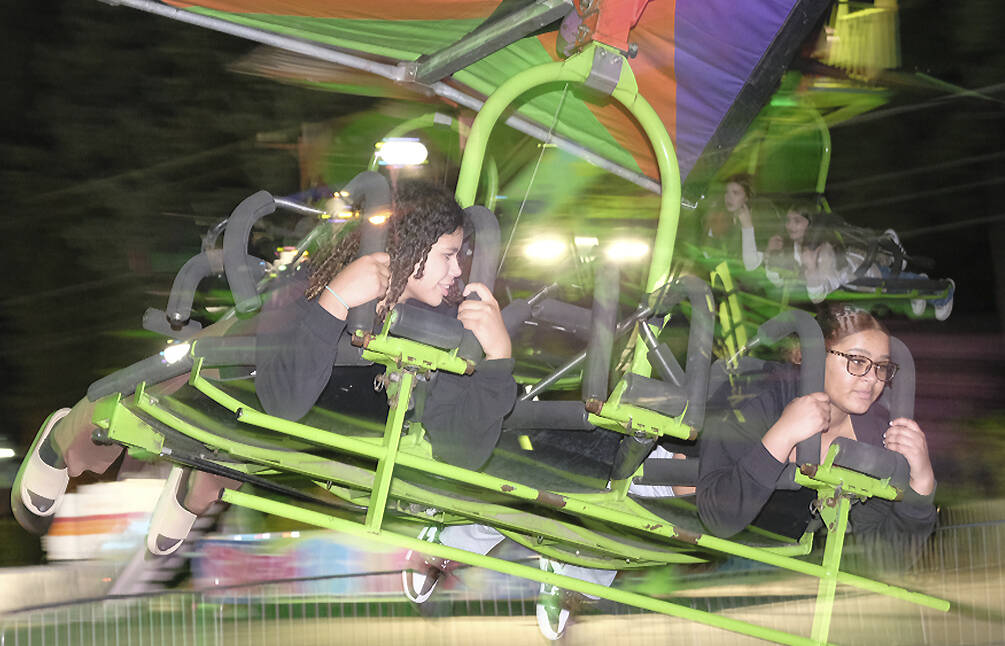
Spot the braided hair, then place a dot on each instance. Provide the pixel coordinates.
(838, 320)
(420, 213)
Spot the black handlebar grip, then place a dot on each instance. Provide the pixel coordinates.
(238, 265)
(902, 388)
(699, 348)
(470, 348)
(601, 344)
(375, 194)
(811, 342)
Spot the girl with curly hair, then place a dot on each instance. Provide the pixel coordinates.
(299, 331)
(297, 342)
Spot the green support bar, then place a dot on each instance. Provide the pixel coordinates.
(567, 503)
(385, 464)
(576, 70)
(295, 513)
(825, 154)
(831, 562)
(395, 351)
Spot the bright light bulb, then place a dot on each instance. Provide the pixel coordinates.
(175, 352)
(402, 152)
(6, 453)
(627, 250)
(545, 250)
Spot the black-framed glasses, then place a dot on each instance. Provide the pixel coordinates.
(859, 366)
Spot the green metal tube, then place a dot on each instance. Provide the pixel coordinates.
(825, 156)
(491, 174)
(819, 571)
(831, 562)
(567, 504)
(292, 512)
(389, 449)
(574, 69)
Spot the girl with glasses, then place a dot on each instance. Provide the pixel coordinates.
(744, 450)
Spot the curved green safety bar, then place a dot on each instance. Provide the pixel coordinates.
(576, 70)
(825, 154)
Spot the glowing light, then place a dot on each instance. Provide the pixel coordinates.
(545, 250)
(586, 241)
(379, 218)
(6, 453)
(175, 352)
(401, 152)
(627, 250)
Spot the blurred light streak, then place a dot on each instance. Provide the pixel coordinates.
(401, 152)
(917, 195)
(545, 250)
(883, 177)
(892, 112)
(175, 352)
(627, 250)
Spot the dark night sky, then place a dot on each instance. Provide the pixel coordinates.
(124, 135)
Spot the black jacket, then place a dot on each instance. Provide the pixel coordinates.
(297, 342)
(737, 474)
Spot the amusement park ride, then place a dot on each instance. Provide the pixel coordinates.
(656, 93)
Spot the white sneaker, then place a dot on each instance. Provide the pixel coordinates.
(170, 523)
(943, 311)
(41, 486)
(552, 615)
(890, 233)
(420, 580)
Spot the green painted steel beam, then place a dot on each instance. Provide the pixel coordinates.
(395, 352)
(292, 512)
(385, 463)
(827, 586)
(571, 504)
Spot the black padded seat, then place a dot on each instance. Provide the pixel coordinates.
(562, 461)
(192, 406)
(681, 511)
(318, 417)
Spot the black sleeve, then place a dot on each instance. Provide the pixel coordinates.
(736, 474)
(912, 518)
(296, 344)
(890, 535)
(463, 413)
(908, 521)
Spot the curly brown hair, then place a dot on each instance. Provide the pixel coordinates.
(420, 213)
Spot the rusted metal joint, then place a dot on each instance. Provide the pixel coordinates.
(361, 340)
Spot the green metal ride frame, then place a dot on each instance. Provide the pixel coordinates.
(560, 523)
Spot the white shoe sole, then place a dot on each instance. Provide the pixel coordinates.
(170, 523)
(408, 577)
(45, 481)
